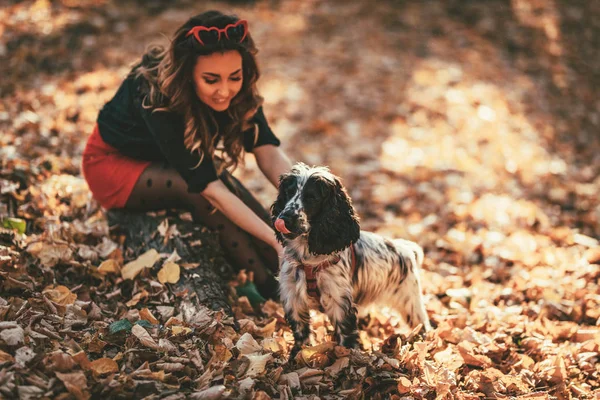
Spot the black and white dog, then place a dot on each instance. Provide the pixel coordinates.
(331, 265)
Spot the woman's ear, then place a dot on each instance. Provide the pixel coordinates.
(337, 227)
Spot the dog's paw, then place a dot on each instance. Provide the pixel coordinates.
(351, 342)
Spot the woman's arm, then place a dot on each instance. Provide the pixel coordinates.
(273, 162)
(240, 214)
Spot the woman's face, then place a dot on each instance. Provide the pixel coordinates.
(218, 78)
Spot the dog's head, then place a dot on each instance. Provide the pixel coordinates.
(312, 202)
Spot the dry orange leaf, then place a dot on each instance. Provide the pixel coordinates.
(169, 273)
(60, 295)
(76, 384)
(467, 352)
(5, 357)
(146, 260)
(146, 315)
(109, 266)
(104, 366)
(59, 361)
(404, 385)
(173, 321)
(180, 330)
(143, 294)
(82, 359)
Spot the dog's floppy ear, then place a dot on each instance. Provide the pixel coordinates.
(337, 226)
(279, 204)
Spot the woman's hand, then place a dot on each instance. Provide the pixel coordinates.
(233, 208)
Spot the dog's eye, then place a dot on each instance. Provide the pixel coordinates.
(289, 191)
(288, 187)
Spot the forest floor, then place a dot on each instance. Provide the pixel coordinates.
(469, 127)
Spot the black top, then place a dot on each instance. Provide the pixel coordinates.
(139, 133)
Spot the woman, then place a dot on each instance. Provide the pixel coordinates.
(179, 120)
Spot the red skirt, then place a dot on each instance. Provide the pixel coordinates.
(110, 175)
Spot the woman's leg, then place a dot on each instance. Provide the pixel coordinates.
(267, 253)
(161, 186)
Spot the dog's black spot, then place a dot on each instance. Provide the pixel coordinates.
(402, 267)
(359, 260)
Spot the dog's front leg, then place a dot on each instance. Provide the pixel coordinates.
(342, 314)
(298, 317)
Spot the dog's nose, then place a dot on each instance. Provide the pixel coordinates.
(287, 218)
(287, 223)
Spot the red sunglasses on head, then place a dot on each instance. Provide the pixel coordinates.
(206, 36)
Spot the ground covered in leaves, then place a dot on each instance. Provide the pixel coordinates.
(469, 127)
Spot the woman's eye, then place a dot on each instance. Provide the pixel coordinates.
(210, 82)
(236, 79)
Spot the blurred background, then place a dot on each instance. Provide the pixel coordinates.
(471, 127)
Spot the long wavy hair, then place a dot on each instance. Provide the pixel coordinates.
(170, 87)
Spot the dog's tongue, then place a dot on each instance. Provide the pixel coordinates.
(280, 226)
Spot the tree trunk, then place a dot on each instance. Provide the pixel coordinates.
(206, 283)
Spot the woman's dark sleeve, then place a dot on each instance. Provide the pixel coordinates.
(167, 129)
(265, 135)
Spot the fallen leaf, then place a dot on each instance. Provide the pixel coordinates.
(50, 254)
(60, 295)
(76, 384)
(123, 325)
(59, 361)
(247, 345)
(214, 393)
(180, 330)
(145, 314)
(404, 385)
(139, 296)
(23, 355)
(166, 346)
(467, 352)
(339, 365)
(146, 260)
(258, 363)
(103, 366)
(5, 357)
(144, 337)
(82, 360)
(169, 273)
(13, 337)
(109, 266)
